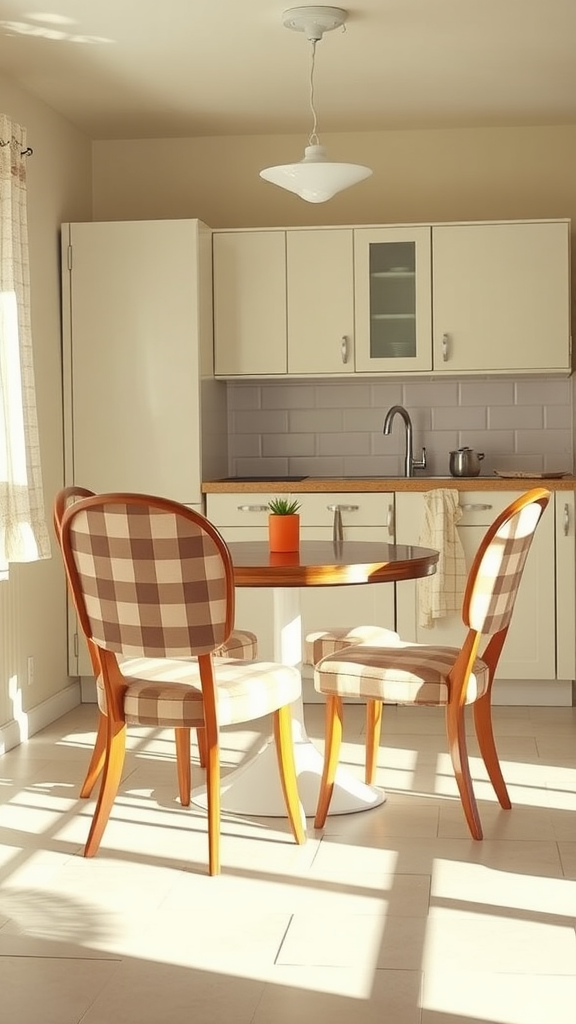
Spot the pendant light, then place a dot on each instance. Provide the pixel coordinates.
(315, 178)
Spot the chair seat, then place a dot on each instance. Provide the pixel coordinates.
(399, 674)
(241, 644)
(337, 638)
(165, 692)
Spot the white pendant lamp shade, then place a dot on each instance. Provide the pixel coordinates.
(315, 178)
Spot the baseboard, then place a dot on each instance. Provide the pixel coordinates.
(13, 733)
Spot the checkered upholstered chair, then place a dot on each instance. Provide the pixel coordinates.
(241, 644)
(428, 674)
(152, 579)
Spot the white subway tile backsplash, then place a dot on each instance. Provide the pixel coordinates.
(344, 444)
(344, 394)
(334, 428)
(459, 418)
(289, 396)
(317, 421)
(260, 421)
(516, 417)
(545, 392)
(486, 392)
(431, 393)
(558, 416)
(289, 444)
(544, 442)
(244, 396)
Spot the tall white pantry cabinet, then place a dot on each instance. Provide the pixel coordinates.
(142, 411)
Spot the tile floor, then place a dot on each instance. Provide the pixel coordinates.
(392, 916)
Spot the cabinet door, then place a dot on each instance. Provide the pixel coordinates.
(530, 649)
(392, 285)
(565, 588)
(131, 352)
(320, 288)
(249, 303)
(501, 297)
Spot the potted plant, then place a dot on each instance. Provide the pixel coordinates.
(284, 524)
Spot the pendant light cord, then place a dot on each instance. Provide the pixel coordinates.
(313, 139)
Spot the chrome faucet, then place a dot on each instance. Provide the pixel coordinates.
(410, 463)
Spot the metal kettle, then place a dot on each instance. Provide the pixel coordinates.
(465, 462)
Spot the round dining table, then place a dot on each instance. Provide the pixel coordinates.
(253, 788)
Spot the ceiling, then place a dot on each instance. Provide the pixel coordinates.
(180, 68)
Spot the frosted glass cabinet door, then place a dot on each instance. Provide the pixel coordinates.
(392, 284)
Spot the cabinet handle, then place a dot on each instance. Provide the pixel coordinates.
(445, 340)
(475, 508)
(252, 508)
(344, 349)
(337, 528)
(566, 519)
(342, 508)
(390, 521)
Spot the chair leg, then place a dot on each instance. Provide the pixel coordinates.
(183, 765)
(373, 730)
(333, 740)
(115, 751)
(487, 744)
(287, 770)
(213, 801)
(201, 738)
(97, 760)
(456, 733)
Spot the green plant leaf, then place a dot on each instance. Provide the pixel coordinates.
(288, 506)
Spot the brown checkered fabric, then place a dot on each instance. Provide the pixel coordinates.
(396, 674)
(153, 582)
(337, 638)
(166, 692)
(241, 645)
(498, 576)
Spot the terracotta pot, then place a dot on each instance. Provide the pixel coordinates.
(284, 532)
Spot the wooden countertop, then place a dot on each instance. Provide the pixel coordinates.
(318, 485)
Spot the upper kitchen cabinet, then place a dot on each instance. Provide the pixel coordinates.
(320, 297)
(142, 410)
(501, 297)
(249, 270)
(393, 291)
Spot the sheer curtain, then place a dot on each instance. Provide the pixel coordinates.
(23, 531)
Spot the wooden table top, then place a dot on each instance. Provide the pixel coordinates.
(329, 563)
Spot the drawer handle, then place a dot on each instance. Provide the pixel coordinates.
(342, 508)
(337, 528)
(475, 508)
(252, 508)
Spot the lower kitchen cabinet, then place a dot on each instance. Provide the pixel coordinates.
(540, 647)
(363, 517)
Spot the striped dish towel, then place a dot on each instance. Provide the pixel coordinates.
(441, 594)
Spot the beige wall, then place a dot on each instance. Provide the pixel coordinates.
(59, 188)
(418, 176)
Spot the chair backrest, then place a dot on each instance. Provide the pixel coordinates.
(63, 499)
(497, 568)
(150, 577)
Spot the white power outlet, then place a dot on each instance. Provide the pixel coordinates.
(30, 670)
